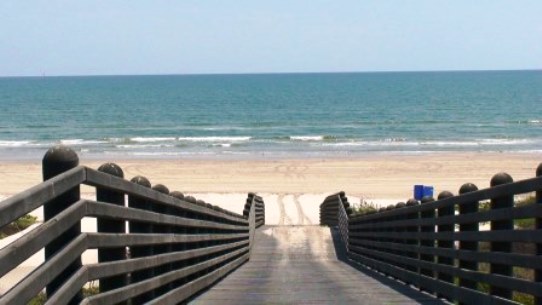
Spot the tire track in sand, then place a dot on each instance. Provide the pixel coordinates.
(301, 216)
(284, 219)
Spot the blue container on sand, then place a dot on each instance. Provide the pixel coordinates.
(418, 192)
(427, 191)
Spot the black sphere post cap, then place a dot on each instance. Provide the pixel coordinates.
(539, 170)
(467, 188)
(112, 169)
(412, 202)
(501, 178)
(57, 160)
(427, 199)
(161, 188)
(177, 194)
(141, 181)
(445, 194)
(390, 207)
(400, 205)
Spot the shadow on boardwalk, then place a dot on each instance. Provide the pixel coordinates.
(300, 265)
(406, 290)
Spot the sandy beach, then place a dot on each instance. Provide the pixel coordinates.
(292, 189)
(374, 176)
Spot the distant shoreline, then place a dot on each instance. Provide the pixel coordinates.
(279, 73)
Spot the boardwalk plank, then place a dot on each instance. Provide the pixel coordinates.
(299, 265)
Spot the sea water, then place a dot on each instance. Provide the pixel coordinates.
(272, 115)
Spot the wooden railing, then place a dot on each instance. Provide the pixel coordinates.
(255, 201)
(443, 247)
(154, 246)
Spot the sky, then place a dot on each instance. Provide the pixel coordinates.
(118, 37)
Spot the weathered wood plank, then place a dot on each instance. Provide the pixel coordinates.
(31, 199)
(21, 249)
(98, 179)
(299, 265)
(104, 240)
(106, 210)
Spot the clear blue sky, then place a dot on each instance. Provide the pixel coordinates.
(88, 37)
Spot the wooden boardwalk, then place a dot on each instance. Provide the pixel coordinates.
(299, 265)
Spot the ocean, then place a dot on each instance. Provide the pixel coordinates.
(272, 115)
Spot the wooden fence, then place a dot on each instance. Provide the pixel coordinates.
(154, 246)
(442, 248)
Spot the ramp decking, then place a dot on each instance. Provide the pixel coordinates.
(299, 265)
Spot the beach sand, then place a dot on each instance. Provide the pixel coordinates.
(372, 176)
(292, 189)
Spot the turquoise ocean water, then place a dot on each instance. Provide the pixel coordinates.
(277, 115)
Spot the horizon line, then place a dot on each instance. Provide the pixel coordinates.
(274, 73)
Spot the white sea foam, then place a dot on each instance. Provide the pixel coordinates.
(222, 145)
(143, 146)
(80, 142)
(152, 139)
(214, 139)
(14, 143)
(307, 138)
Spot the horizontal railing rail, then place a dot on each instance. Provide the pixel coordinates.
(154, 246)
(468, 248)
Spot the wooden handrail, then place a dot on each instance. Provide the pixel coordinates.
(418, 245)
(192, 244)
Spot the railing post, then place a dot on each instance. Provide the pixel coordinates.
(412, 230)
(163, 229)
(58, 160)
(467, 208)
(141, 251)
(111, 226)
(445, 244)
(496, 225)
(400, 230)
(538, 272)
(182, 246)
(427, 242)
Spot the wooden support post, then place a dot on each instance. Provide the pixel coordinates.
(467, 208)
(412, 230)
(400, 230)
(162, 229)
(445, 244)
(424, 242)
(504, 202)
(111, 226)
(58, 160)
(141, 251)
(538, 272)
(181, 246)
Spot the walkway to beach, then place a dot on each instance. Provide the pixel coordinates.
(299, 265)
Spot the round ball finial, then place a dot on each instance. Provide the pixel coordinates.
(444, 195)
(112, 169)
(400, 205)
(427, 199)
(390, 207)
(412, 202)
(501, 178)
(161, 188)
(57, 160)
(539, 170)
(141, 181)
(467, 188)
(177, 194)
